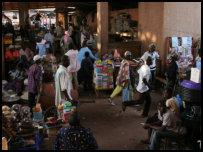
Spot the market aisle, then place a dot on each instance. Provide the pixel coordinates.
(112, 128)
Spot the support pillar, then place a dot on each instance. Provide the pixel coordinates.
(60, 16)
(102, 28)
(3, 61)
(23, 13)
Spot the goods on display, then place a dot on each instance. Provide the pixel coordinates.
(183, 47)
(65, 109)
(17, 121)
(103, 74)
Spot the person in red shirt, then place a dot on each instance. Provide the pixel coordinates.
(12, 56)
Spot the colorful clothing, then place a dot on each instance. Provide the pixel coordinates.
(42, 46)
(28, 53)
(11, 55)
(34, 74)
(81, 54)
(123, 74)
(75, 138)
(74, 63)
(65, 45)
(16, 85)
(18, 80)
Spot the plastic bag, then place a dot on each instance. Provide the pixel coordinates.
(128, 94)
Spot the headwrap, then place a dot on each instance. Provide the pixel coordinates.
(127, 53)
(66, 36)
(173, 105)
(152, 45)
(36, 57)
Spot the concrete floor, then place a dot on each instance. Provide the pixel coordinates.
(112, 128)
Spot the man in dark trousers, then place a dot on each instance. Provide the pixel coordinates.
(87, 71)
(156, 119)
(143, 88)
(34, 76)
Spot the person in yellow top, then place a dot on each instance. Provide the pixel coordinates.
(123, 77)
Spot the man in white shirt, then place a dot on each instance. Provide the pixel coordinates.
(142, 88)
(59, 30)
(61, 81)
(155, 56)
(49, 37)
(171, 127)
(156, 119)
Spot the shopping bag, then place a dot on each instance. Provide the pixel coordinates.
(126, 94)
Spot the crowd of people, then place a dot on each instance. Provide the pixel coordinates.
(76, 67)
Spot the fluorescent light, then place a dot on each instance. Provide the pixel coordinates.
(71, 12)
(71, 7)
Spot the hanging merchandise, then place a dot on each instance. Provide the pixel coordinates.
(183, 47)
(103, 74)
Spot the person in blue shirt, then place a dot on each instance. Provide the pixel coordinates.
(81, 53)
(42, 47)
(75, 137)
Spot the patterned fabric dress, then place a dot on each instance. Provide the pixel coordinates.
(123, 74)
(17, 83)
(75, 138)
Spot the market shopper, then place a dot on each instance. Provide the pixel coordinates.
(171, 127)
(81, 53)
(173, 105)
(143, 88)
(155, 56)
(34, 77)
(62, 80)
(49, 37)
(123, 78)
(59, 31)
(172, 70)
(66, 40)
(156, 118)
(86, 72)
(12, 56)
(75, 137)
(42, 46)
(27, 52)
(17, 78)
(73, 67)
(24, 61)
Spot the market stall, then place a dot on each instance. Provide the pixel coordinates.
(103, 75)
(183, 46)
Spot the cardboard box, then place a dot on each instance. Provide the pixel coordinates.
(195, 75)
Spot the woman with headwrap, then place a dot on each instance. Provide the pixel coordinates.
(65, 42)
(123, 77)
(173, 105)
